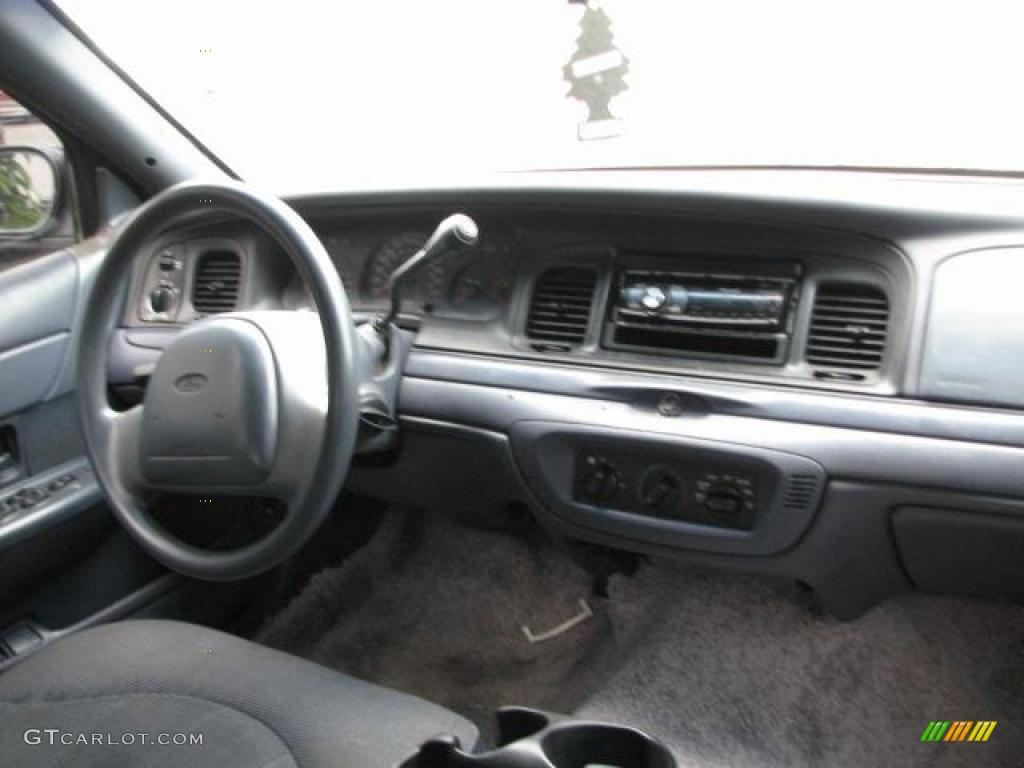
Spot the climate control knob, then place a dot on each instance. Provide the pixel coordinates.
(660, 490)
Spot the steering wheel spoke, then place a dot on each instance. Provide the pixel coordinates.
(120, 435)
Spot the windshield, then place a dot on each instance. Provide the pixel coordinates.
(308, 95)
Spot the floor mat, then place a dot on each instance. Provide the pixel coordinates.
(727, 670)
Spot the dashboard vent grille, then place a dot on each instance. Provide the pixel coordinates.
(801, 491)
(561, 304)
(849, 325)
(217, 282)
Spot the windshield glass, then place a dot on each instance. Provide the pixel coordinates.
(309, 94)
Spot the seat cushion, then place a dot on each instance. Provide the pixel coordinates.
(87, 700)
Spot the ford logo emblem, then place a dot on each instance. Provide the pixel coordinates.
(190, 382)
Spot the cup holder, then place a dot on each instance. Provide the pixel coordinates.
(529, 738)
(579, 745)
(518, 723)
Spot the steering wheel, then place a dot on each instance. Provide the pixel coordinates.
(262, 403)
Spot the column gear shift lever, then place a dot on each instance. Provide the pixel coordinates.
(456, 231)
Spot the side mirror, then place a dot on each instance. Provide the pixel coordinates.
(30, 187)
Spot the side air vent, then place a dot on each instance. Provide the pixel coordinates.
(217, 282)
(801, 492)
(849, 325)
(560, 306)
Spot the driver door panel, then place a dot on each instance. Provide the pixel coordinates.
(40, 442)
(38, 299)
(50, 505)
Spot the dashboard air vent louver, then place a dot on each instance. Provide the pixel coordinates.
(849, 325)
(801, 490)
(560, 306)
(217, 282)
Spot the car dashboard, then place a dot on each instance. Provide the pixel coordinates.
(736, 300)
(812, 373)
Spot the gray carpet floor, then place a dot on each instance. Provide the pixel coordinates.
(727, 670)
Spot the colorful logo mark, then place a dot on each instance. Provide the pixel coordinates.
(958, 730)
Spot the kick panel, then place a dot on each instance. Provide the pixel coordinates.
(669, 490)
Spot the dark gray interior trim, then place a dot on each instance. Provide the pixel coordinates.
(786, 404)
(972, 341)
(846, 555)
(854, 454)
(132, 356)
(126, 607)
(891, 205)
(44, 515)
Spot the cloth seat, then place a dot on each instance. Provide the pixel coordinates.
(109, 696)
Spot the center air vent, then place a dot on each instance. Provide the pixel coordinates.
(217, 282)
(560, 307)
(849, 325)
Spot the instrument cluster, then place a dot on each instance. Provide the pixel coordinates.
(474, 284)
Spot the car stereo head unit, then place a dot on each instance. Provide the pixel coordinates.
(705, 300)
(727, 315)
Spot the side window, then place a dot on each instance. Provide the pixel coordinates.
(31, 169)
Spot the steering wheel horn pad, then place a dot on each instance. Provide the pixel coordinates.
(250, 403)
(210, 415)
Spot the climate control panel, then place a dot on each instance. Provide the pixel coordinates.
(632, 488)
(705, 494)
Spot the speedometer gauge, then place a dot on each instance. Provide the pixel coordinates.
(392, 254)
(386, 260)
